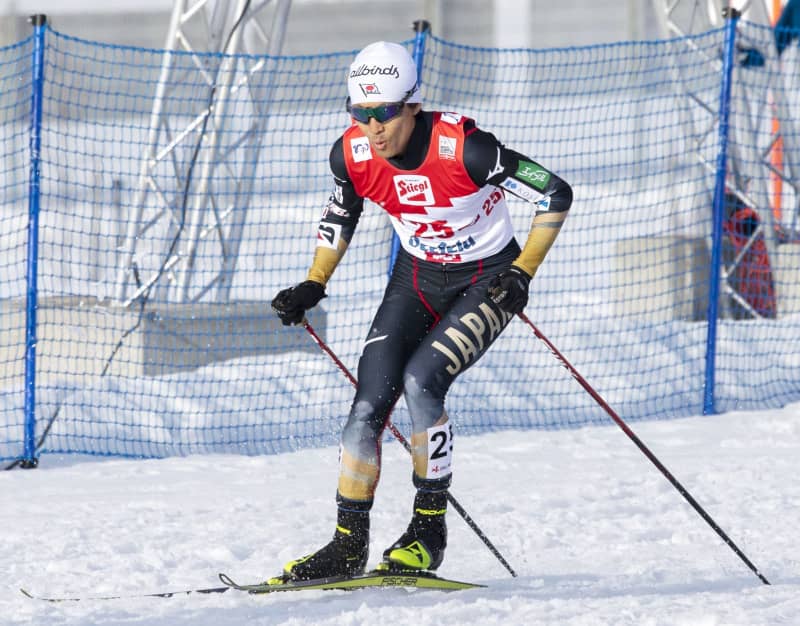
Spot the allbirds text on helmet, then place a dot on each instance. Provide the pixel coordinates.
(371, 70)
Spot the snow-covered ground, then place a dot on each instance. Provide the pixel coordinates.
(595, 533)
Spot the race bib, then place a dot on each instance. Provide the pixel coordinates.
(440, 451)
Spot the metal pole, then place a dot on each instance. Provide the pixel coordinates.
(39, 23)
(732, 16)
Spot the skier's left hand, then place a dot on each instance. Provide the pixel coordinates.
(509, 290)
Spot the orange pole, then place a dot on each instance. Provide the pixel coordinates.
(776, 156)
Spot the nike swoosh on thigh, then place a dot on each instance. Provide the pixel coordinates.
(374, 339)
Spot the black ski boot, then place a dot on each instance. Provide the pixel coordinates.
(422, 545)
(345, 555)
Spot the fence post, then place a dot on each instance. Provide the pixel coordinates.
(732, 17)
(421, 28)
(39, 23)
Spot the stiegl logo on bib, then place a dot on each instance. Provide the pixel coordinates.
(413, 190)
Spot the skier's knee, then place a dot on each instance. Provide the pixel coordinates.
(362, 430)
(424, 400)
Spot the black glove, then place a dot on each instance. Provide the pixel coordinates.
(291, 304)
(509, 290)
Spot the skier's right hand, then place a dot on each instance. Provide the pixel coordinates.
(291, 304)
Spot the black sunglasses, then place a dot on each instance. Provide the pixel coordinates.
(382, 113)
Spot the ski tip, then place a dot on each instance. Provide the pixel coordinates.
(27, 593)
(271, 584)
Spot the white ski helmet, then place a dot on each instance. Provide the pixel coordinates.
(383, 72)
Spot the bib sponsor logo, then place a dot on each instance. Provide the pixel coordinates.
(360, 149)
(447, 148)
(413, 190)
(532, 173)
(442, 249)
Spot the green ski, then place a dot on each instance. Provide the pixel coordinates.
(375, 579)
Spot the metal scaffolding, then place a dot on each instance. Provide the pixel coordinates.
(192, 188)
(760, 125)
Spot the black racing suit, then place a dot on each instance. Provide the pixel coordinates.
(435, 320)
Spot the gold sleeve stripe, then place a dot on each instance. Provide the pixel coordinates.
(544, 230)
(325, 262)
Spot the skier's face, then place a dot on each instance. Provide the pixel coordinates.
(390, 137)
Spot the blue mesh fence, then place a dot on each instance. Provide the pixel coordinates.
(762, 231)
(180, 192)
(15, 87)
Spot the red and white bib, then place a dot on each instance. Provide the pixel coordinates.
(437, 211)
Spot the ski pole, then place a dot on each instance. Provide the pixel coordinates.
(404, 442)
(597, 398)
